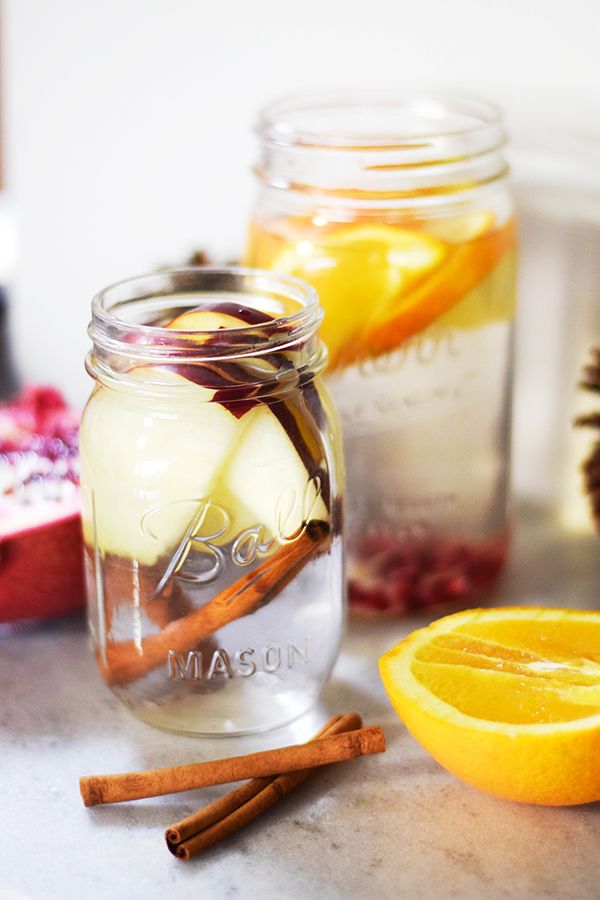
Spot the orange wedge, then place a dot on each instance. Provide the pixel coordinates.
(492, 300)
(506, 699)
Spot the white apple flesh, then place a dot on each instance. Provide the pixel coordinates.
(205, 320)
(139, 453)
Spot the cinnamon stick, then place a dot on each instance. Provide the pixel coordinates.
(221, 818)
(155, 782)
(125, 661)
(222, 807)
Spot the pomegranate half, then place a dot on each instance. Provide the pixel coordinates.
(41, 568)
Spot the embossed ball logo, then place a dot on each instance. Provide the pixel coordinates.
(211, 539)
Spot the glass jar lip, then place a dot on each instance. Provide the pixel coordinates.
(117, 334)
(280, 121)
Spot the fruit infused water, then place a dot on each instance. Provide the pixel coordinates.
(211, 490)
(396, 211)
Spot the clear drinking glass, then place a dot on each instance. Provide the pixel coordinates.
(396, 209)
(211, 484)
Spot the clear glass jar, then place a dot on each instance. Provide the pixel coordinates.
(211, 484)
(396, 209)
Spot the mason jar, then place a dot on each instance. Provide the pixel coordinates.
(396, 209)
(211, 483)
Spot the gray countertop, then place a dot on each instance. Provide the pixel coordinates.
(395, 825)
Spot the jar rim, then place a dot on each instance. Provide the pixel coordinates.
(380, 146)
(113, 332)
(443, 117)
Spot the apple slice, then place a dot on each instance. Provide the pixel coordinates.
(271, 479)
(266, 481)
(151, 475)
(212, 460)
(233, 385)
(205, 320)
(218, 316)
(209, 377)
(135, 459)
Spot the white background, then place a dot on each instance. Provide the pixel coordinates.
(128, 124)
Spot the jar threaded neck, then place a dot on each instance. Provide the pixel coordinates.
(380, 145)
(132, 327)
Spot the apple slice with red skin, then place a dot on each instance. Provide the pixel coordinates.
(237, 421)
(226, 382)
(234, 387)
(232, 392)
(217, 316)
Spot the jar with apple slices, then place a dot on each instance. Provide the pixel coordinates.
(211, 488)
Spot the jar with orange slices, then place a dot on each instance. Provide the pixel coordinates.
(396, 209)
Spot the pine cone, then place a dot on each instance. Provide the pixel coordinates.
(591, 466)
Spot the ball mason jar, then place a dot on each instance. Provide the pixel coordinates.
(396, 209)
(211, 485)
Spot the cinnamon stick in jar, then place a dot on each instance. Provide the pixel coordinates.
(125, 661)
(97, 789)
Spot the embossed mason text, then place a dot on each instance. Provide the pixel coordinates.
(198, 666)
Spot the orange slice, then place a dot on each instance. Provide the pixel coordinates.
(461, 228)
(359, 271)
(467, 265)
(506, 699)
(492, 300)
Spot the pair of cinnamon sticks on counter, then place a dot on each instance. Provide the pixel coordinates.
(273, 774)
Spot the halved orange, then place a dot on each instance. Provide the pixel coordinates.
(507, 699)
